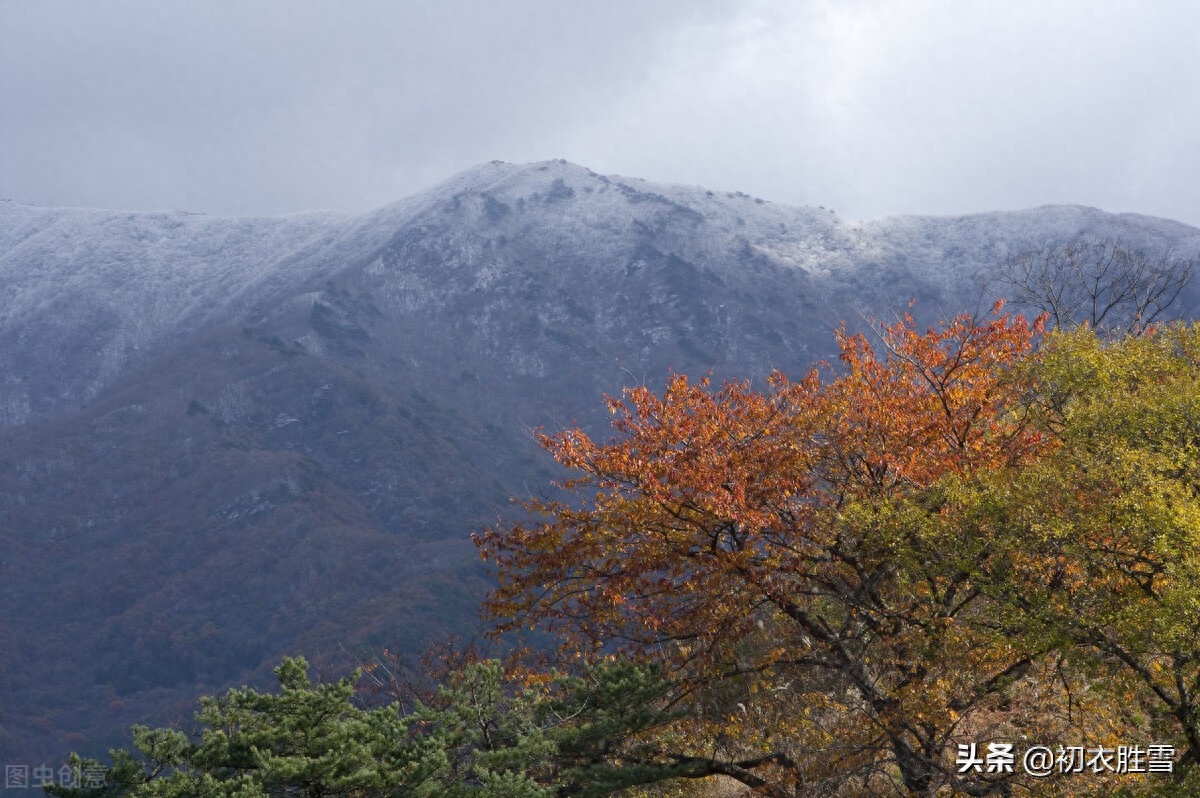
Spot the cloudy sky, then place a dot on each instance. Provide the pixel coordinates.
(864, 106)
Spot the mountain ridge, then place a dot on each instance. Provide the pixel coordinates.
(223, 439)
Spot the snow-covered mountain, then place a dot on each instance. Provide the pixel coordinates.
(96, 293)
(227, 438)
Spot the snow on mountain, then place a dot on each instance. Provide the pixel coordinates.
(226, 438)
(88, 293)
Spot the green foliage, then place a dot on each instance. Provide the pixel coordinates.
(484, 737)
(1105, 533)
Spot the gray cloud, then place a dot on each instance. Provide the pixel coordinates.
(866, 106)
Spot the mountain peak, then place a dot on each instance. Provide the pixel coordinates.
(307, 414)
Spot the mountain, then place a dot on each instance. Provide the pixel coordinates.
(225, 439)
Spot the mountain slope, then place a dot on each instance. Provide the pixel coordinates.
(225, 439)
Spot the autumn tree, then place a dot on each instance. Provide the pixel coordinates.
(790, 554)
(1104, 532)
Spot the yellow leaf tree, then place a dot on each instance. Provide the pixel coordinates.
(1104, 532)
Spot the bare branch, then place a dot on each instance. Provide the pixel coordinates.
(1103, 284)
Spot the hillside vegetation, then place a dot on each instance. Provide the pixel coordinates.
(227, 441)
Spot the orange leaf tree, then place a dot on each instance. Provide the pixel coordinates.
(789, 554)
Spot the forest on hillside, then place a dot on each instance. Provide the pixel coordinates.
(960, 561)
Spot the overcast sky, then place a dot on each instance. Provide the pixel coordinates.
(864, 106)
